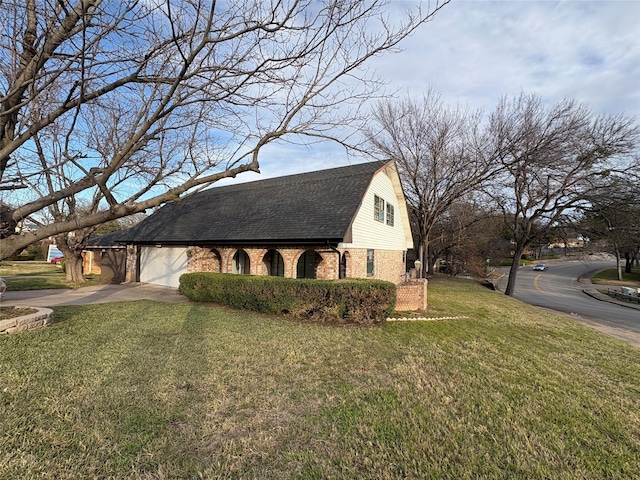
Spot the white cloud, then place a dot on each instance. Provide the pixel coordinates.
(473, 52)
(476, 51)
(279, 159)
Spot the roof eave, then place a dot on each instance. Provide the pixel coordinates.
(242, 242)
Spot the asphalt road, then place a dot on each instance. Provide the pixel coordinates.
(560, 289)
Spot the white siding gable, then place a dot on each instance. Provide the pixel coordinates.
(366, 231)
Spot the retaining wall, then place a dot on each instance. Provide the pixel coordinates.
(41, 318)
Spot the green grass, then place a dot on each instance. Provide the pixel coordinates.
(9, 268)
(153, 390)
(610, 276)
(38, 276)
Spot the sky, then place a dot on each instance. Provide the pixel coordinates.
(475, 51)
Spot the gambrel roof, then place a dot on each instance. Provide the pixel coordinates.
(295, 209)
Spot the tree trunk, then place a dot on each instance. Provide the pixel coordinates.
(628, 262)
(618, 265)
(72, 252)
(513, 271)
(432, 258)
(73, 265)
(427, 264)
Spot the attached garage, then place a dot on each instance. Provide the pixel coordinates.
(163, 265)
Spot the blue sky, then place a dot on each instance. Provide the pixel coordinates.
(475, 51)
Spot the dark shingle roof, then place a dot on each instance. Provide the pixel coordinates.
(113, 239)
(307, 207)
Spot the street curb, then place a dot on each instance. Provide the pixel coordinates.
(597, 295)
(605, 298)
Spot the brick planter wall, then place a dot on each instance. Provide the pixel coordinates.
(41, 318)
(412, 296)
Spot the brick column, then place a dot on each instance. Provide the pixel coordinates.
(412, 296)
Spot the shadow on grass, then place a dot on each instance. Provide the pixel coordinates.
(115, 380)
(157, 390)
(159, 380)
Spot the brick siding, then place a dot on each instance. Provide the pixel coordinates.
(412, 296)
(388, 265)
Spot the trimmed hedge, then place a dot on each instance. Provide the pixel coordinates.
(345, 301)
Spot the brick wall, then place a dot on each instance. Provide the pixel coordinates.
(412, 296)
(388, 264)
(220, 259)
(91, 262)
(202, 259)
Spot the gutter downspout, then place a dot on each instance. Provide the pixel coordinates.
(339, 256)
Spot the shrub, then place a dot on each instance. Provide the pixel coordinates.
(38, 251)
(349, 301)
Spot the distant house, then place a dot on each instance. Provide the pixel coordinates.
(348, 222)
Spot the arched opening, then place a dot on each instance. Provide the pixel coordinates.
(308, 264)
(344, 263)
(241, 264)
(214, 263)
(274, 263)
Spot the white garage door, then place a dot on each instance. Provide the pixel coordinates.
(163, 265)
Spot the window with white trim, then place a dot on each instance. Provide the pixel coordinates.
(389, 214)
(378, 208)
(370, 263)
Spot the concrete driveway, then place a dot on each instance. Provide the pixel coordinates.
(93, 294)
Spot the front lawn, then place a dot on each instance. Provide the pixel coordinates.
(12, 268)
(38, 276)
(610, 277)
(154, 390)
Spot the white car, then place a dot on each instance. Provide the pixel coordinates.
(541, 267)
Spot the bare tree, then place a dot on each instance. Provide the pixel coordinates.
(613, 215)
(55, 174)
(438, 152)
(551, 158)
(153, 100)
(464, 238)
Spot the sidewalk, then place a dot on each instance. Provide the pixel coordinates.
(94, 294)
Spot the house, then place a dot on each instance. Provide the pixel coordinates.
(348, 222)
(106, 256)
